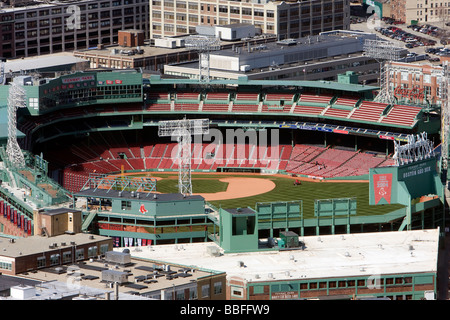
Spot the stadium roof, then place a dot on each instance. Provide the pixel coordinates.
(325, 256)
(155, 79)
(105, 193)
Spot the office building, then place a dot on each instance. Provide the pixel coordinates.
(60, 26)
(287, 19)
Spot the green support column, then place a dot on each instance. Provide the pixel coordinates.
(422, 214)
(408, 214)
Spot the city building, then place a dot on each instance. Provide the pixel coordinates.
(151, 58)
(321, 57)
(415, 82)
(115, 275)
(421, 11)
(142, 217)
(63, 290)
(397, 265)
(59, 26)
(32, 253)
(289, 19)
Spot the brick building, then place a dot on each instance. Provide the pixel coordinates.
(287, 19)
(37, 252)
(398, 265)
(44, 28)
(416, 83)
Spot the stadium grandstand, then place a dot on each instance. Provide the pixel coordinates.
(106, 122)
(95, 162)
(99, 123)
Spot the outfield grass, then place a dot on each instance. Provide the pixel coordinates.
(310, 191)
(199, 185)
(284, 191)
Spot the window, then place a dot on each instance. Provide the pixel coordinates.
(217, 287)
(92, 251)
(126, 205)
(404, 76)
(247, 11)
(235, 10)
(54, 259)
(79, 254)
(193, 6)
(223, 9)
(192, 293)
(104, 248)
(67, 257)
(5, 265)
(168, 3)
(179, 295)
(237, 292)
(205, 291)
(33, 103)
(181, 4)
(41, 262)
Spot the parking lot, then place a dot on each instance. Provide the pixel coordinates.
(421, 41)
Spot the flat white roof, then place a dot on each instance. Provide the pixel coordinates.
(47, 61)
(326, 256)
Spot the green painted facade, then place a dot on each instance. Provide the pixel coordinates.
(161, 218)
(239, 230)
(406, 183)
(81, 89)
(393, 286)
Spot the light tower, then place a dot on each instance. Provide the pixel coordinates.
(384, 52)
(182, 130)
(204, 45)
(16, 100)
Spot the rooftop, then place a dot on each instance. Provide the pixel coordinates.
(37, 244)
(143, 276)
(64, 290)
(56, 60)
(161, 197)
(327, 256)
(115, 51)
(243, 211)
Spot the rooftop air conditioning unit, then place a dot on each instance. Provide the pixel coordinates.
(245, 68)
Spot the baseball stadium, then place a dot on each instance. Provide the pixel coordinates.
(301, 156)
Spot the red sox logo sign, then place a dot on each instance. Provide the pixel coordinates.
(142, 209)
